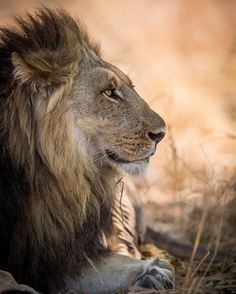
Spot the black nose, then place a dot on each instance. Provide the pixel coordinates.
(156, 136)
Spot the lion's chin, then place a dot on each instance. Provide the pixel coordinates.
(137, 168)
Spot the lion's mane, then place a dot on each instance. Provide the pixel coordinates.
(51, 195)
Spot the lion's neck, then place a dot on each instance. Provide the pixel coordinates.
(59, 208)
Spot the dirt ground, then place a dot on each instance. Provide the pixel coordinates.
(181, 56)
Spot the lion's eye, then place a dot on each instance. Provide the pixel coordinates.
(109, 92)
(112, 93)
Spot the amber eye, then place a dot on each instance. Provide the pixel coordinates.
(112, 93)
(109, 92)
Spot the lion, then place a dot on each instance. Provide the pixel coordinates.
(70, 124)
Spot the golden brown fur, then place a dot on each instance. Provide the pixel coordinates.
(63, 141)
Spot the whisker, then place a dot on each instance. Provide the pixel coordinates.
(98, 158)
(113, 153)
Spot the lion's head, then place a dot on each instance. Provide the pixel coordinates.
(121, 128)
(94, 102)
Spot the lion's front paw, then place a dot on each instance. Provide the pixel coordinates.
(158, 274)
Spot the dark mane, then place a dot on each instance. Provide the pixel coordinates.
(43, 209)
(46, 30)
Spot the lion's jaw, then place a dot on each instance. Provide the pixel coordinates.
(103, 160)
(102, 157)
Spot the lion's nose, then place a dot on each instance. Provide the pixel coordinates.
(157, 135)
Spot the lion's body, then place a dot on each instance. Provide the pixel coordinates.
(57, 183)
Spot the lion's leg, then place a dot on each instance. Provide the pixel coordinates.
(116, 272)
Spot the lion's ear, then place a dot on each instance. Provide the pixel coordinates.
(46, 68)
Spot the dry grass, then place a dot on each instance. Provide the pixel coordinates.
(203, 214)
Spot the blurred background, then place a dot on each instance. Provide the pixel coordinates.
(181, 56)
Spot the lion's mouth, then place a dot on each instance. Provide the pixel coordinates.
(113, 156)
